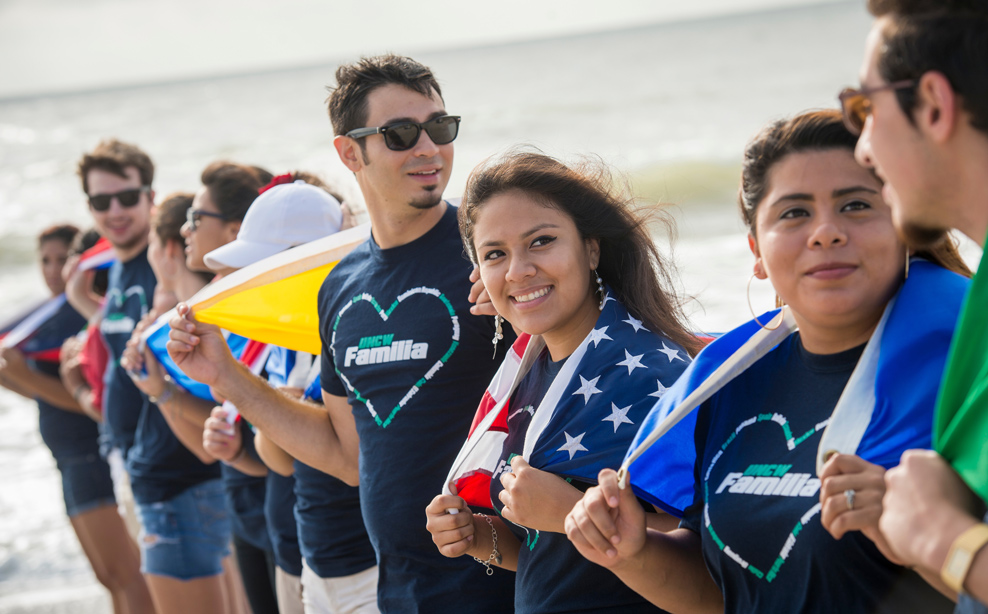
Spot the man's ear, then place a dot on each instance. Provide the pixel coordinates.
(349, 151)
(937, 110)
(759, 268)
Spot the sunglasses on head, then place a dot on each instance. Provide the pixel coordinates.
(126, 198)
(194, 216)
(402, 136)
(855, 104)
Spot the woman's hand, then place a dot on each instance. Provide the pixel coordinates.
(13, 364)
(847, 472)
(607, 525)
(536, 499)
(222, 440)
(453, 534)
(479, 296)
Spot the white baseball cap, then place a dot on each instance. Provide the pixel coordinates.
(283, 216)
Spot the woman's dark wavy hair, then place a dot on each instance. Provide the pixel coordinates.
(629, 260)
(807, 132)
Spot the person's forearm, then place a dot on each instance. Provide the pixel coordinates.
(670, 573)
(508, 545)
(48, 388)
(942, 533)
(274, 457)
(248, 465)
(302, 429)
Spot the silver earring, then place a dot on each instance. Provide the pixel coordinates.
(600, 288)
(498, 334)
(778, 304)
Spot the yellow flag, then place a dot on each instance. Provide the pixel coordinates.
(274, 300)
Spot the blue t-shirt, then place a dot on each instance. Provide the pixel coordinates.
(757, 501)
(128, 298)
(279, 511)
(160, 467)
(552, 575)
(400, 343)
(66, 433)
(245, 495)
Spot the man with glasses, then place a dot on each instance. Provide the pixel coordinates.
(922, 113)
(403, 363)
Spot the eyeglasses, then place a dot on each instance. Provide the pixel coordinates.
(855, 104)
(402, 136)
(126, 198)
(193, 216)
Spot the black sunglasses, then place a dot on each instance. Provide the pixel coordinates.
(126, 198)
(402, 136)
(193, 216)
(855, 104)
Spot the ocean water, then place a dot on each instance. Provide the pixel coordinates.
(669, 107)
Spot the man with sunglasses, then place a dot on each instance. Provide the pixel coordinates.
(922, 113)
(403, 363)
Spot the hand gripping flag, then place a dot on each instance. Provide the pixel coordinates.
(885, 409)
(40, 333)
(588, 415)
(254, 354)
(274, 300)
(960, 430)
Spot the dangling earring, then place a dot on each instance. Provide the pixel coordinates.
(907, 263)
(600, 288)
(498, 334)
(778, 303)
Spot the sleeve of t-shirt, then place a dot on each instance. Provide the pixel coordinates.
(331, 382)
(692, 515)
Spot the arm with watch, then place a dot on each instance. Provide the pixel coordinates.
(931, 520)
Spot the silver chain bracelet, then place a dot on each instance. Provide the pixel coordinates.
(495, 556)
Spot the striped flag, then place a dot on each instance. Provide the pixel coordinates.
(885, 409)
(589, 413)
(99, 256)
(40, 333)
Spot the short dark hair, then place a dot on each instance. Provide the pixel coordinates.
(233, 187)
(65, 233)
(948, 36)
(83, 241)
(347, 101)
(629, 260)
(114, 157)
(169, 216)
(808, 132)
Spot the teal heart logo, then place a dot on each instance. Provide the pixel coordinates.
(385, 314)
(760, 479)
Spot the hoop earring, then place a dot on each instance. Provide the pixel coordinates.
(498, 333)
(907, 263)
(778, 303)
(600, 289)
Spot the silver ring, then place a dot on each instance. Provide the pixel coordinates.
(849, 495)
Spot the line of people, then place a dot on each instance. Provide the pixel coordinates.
(758, 497)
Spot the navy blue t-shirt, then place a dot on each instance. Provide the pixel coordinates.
(279, 511)
(400, 343)
(553, 577)
(66, 433)
(128, 299)
(245, 495)
(757, 501)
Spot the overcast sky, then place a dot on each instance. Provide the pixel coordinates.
(64, 45)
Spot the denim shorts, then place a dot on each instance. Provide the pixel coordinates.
(187, 536)
(86, 483)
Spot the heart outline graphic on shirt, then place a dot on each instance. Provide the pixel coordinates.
(385, 314)
(792, 443)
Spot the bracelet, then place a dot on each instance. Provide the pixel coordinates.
(81, 389)
(495, 556)
(166, 393)
(236, 459)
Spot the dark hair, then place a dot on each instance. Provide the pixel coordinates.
(629, 261)
(114, 157)
(65, 233)
(948, 36)
(169, 217)
(347, 102)
(314, 180)
(83, 241)
(233, 187)
(808, 132)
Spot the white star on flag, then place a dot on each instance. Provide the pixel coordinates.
(587, 388)
(599, 334)
(661, 391)
(671, 353)
(636, 324)
(619, 416)
(632, 362)
(572, 445)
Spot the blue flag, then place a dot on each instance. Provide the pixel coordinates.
(885, 409)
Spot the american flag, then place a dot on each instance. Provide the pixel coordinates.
(590, 412)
